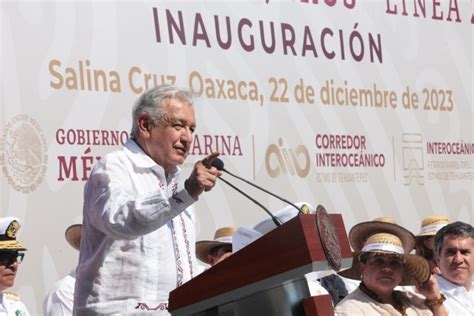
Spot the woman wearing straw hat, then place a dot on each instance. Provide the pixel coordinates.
(424, 245)
(383, 262)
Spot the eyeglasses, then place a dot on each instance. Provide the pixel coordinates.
(7, 258)
(381, 262)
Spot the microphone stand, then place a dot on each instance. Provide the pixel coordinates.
(275, 219)
(262, 189)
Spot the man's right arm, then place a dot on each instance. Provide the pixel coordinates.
(116, 206)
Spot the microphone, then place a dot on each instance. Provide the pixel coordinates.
(219, 165)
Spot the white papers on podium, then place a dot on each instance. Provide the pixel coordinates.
(242, 237)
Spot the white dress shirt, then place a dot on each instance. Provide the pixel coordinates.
(459, 301)
(60, 299)
(10, 305)
(138, 236)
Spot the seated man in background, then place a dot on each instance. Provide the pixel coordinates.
(454, 251)
(213, 251)
(11, 255)
(60, 299)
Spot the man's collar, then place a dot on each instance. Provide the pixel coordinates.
(141, 159)
(447, 285)
(137, 155)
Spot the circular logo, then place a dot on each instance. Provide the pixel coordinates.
(23, 153)
(329, 239)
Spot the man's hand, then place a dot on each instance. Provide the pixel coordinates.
(203, 178)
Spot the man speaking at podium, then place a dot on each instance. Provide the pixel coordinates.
(138, 229)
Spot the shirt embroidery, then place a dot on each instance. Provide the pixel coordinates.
(179, 265)
(159, 307)
(174, 194)
(188, 248)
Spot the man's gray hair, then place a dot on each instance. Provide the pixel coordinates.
(151, 102)
(458, 229)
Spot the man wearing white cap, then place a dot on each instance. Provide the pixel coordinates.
(11, 255)
(213, 251)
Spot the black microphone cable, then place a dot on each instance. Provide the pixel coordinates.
(275, 219)
(219, 165)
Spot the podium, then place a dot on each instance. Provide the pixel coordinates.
(266, 277)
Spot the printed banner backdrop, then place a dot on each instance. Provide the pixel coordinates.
(364, 107)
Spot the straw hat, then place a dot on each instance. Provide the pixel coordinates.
(9, 228)
(73, 235)
(360, 232)
(431, 224)
(415, 269)
(355, 255)
(385, 219)
(222, 236)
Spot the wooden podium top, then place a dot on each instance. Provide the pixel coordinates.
(293, 247)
